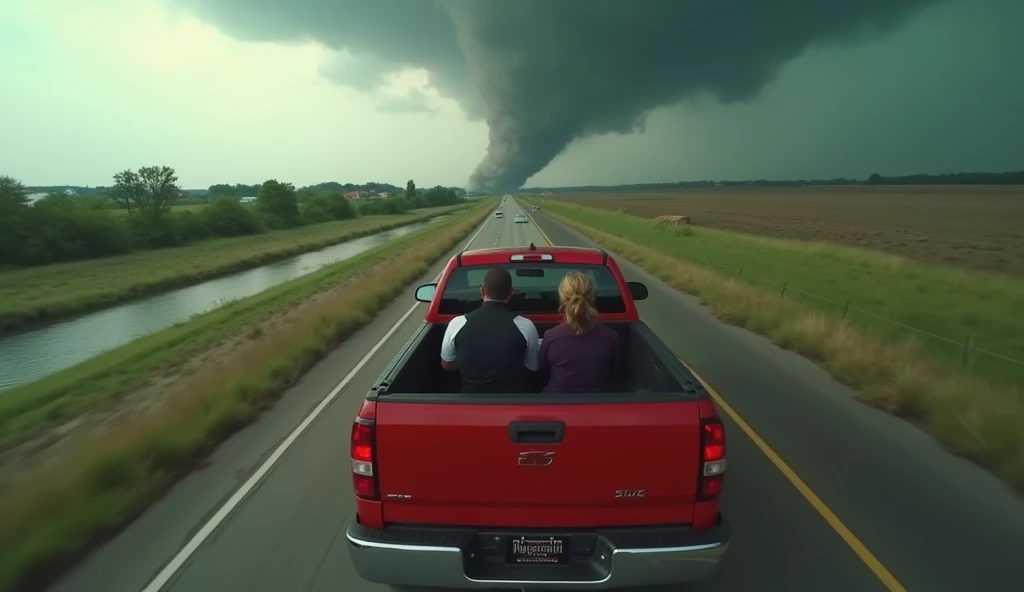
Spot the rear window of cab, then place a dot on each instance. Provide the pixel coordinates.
(535, 285)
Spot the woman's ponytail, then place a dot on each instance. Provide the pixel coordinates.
(577, 302)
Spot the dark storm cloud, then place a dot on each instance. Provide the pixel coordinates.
(543, 73)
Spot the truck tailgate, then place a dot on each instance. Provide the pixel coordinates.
(534, 465)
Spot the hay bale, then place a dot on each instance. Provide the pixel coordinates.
(662, 221)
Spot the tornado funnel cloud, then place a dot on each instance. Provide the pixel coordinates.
(544, 73)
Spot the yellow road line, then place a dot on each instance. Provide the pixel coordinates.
(855, 544)
(859, 548)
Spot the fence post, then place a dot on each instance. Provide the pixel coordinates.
(846, 308)
(784, 284)
(968, 356)
(741, 273)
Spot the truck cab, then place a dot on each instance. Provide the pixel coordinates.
(535, 490)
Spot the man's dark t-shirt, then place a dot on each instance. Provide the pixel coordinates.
(579, 363)
(495, 349)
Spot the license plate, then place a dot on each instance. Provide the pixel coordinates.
(538, 550)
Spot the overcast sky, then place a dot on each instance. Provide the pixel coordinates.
(504, 92)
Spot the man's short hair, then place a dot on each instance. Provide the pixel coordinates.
(497, 284)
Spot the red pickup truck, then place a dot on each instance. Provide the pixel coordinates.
(537, 490)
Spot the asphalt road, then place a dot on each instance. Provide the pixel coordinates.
(840, 485)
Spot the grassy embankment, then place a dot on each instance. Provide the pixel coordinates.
(977, 414)
(52, 292)
(59, 509)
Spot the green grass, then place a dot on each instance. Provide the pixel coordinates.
(27, 407)
(48, 293)
(975, 415)
(945, 305)
(59, 509)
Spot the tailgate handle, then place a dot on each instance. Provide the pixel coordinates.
(536, 432)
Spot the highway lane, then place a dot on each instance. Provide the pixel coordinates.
(936, 522)
(288, 533)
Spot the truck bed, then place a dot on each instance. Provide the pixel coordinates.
(646, 365)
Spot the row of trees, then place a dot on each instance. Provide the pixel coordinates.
(1007, 178)
(244, 190)
(138, 212)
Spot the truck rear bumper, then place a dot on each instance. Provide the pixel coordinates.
(473, 558)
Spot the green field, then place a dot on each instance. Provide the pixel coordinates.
(56, 509)
(976, 412)
(51, 292)
(885, 295)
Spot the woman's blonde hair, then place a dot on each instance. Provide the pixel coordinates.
(576, 301)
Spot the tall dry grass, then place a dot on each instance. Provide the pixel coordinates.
(54, 513)
(970, 416)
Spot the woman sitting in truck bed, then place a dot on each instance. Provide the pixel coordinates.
(579, 353)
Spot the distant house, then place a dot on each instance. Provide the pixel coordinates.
(352, 194)
(70, 192)
(383, 194)
(247, 200)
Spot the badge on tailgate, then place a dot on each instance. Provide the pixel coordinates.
(630, 493)
(536, 458)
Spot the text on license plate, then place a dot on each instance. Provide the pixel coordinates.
(538, 550)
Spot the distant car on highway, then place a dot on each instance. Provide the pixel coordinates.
(537, 490)
(499, 214)
(521, 219)
(535, 208)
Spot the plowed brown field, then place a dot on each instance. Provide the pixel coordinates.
(979, 227)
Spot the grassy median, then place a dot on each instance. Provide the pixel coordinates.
(55, 511)
(975, 415)
(52, 292)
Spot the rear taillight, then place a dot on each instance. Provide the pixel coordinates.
(364, 477)
(712, 450)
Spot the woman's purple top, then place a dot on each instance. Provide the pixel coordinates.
(579, 363)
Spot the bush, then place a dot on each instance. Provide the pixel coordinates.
(340, 207)
(384, 207)
(226, 217)
(63, 229)
(190, 226)
(155, 233)
(440, 196)
(277, 204)
(314, 212)
(416, 203)
(324, 207)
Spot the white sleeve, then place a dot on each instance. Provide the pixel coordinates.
(448, 343)
(529, 331)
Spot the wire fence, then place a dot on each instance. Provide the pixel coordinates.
(967, 351)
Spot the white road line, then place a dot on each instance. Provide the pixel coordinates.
(497, 238)
(207, 529)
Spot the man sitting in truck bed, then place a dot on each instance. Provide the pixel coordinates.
(492, 347)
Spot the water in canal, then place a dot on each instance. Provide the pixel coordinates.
(29, 356)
